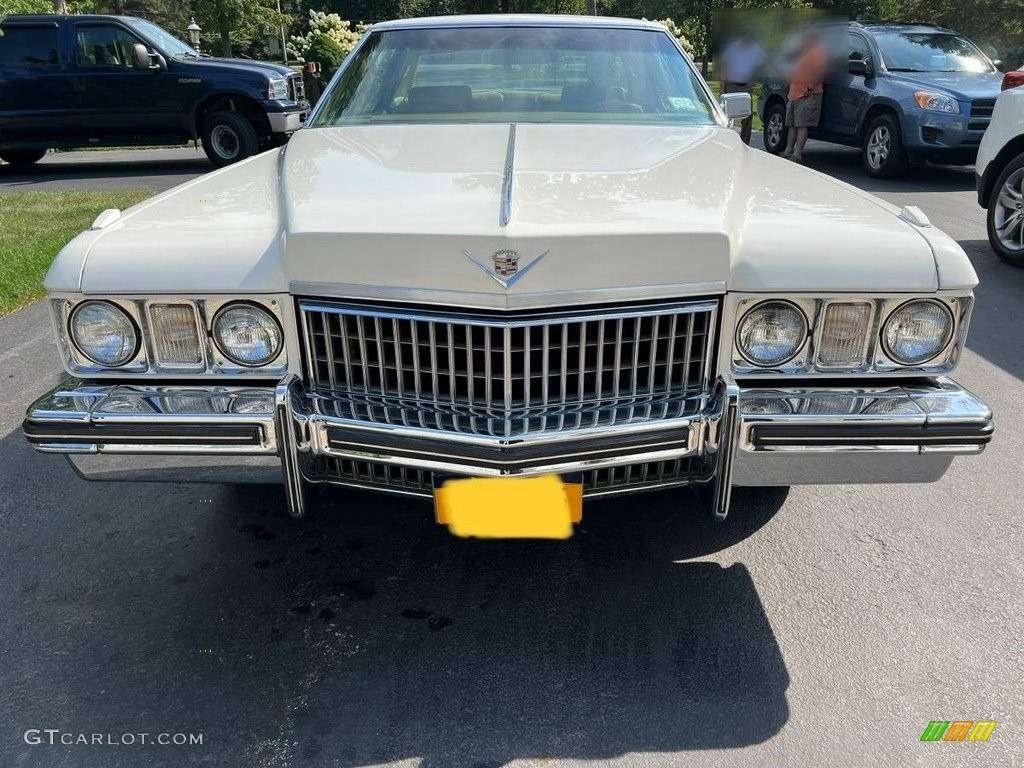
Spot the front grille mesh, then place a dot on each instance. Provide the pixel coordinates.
(417, 482)
(504, 373)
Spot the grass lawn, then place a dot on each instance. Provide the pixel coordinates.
(35, 225)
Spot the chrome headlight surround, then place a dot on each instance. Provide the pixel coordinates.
(872, 356)
(940, 343)
(130, 340)
(778, 306)
(271, 326)
(154, 357)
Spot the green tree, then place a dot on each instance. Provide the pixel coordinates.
(237, 24)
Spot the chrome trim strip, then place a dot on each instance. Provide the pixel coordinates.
(482, 300)
(505, 213)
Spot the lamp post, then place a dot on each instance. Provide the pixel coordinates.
(193, 33)
(284, 42)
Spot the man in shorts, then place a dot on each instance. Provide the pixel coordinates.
(803, 109)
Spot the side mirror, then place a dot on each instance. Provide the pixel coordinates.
(141, 57)
(736, 106)
(858, 67)
(998, 64)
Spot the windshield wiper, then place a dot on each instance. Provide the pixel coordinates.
(905, 69)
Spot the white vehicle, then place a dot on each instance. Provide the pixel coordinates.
(999, 172)
(525, 256)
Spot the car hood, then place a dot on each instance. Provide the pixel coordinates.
(963, 85)
(413, 213)
(247, 66)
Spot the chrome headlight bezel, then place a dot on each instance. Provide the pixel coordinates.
(134, 336)
(782, 359)
(218, 341)
(875, 359)
(945, 340)
(212, 362)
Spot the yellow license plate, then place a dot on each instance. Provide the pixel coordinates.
(543, 507)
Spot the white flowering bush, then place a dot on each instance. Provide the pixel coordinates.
(325, 25)
(677, 32)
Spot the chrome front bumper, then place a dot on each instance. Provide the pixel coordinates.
(735, 436)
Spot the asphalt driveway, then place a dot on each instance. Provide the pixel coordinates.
(823, 627)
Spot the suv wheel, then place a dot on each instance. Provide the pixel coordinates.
(22, 158)
(1006, 214)
(775, 131)
(883, 153)
(229, 137)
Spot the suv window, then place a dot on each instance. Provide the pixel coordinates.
(28, 46)
(857, 48)
(106, 46)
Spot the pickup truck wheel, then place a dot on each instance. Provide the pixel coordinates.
(883, 154)
(229, 137)
(22, 158)
(775, 131)
(1005, 217)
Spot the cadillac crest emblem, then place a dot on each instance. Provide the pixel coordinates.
(506, 262)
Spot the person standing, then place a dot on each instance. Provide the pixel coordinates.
(803, 108)
(741, 61)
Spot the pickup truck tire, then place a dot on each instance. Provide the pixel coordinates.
(229, 137)
(1005, 217)
(774, 130)
(882, 152)
(22, 158)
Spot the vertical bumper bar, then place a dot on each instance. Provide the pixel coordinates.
(721, 444)
(288, 446)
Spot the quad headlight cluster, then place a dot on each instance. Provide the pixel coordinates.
(849, 334)
(184, 336)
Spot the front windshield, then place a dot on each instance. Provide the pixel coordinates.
(930, 52)
(164, 40)
(517, 74)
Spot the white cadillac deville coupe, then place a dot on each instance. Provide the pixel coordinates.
(511, 262)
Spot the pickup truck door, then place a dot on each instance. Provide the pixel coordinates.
(117, 101)
(36, 107)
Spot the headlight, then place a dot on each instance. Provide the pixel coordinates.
(277, 90)
(104, 333)
(247, 335)
(937, 102)
(771, 333)
(917, 331)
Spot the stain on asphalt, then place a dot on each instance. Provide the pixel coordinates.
(415, 613)
(438, 622)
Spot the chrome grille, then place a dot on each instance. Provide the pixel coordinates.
(508, 375)
(417, 482)
(296, 88)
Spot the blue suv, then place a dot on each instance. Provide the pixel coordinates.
(906, 93)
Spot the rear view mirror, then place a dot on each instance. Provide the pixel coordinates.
(858, 67)
(736, 105)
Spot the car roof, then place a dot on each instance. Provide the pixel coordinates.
(50, 18)
(517, 20)
(890, 26)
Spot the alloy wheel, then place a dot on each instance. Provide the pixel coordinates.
(774, 131)
(1008, 215)
(879, 145)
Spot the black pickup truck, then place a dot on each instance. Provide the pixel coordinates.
(86, 81)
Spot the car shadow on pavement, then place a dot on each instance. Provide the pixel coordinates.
(368, 634)
(997, 309)
(844, 163)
